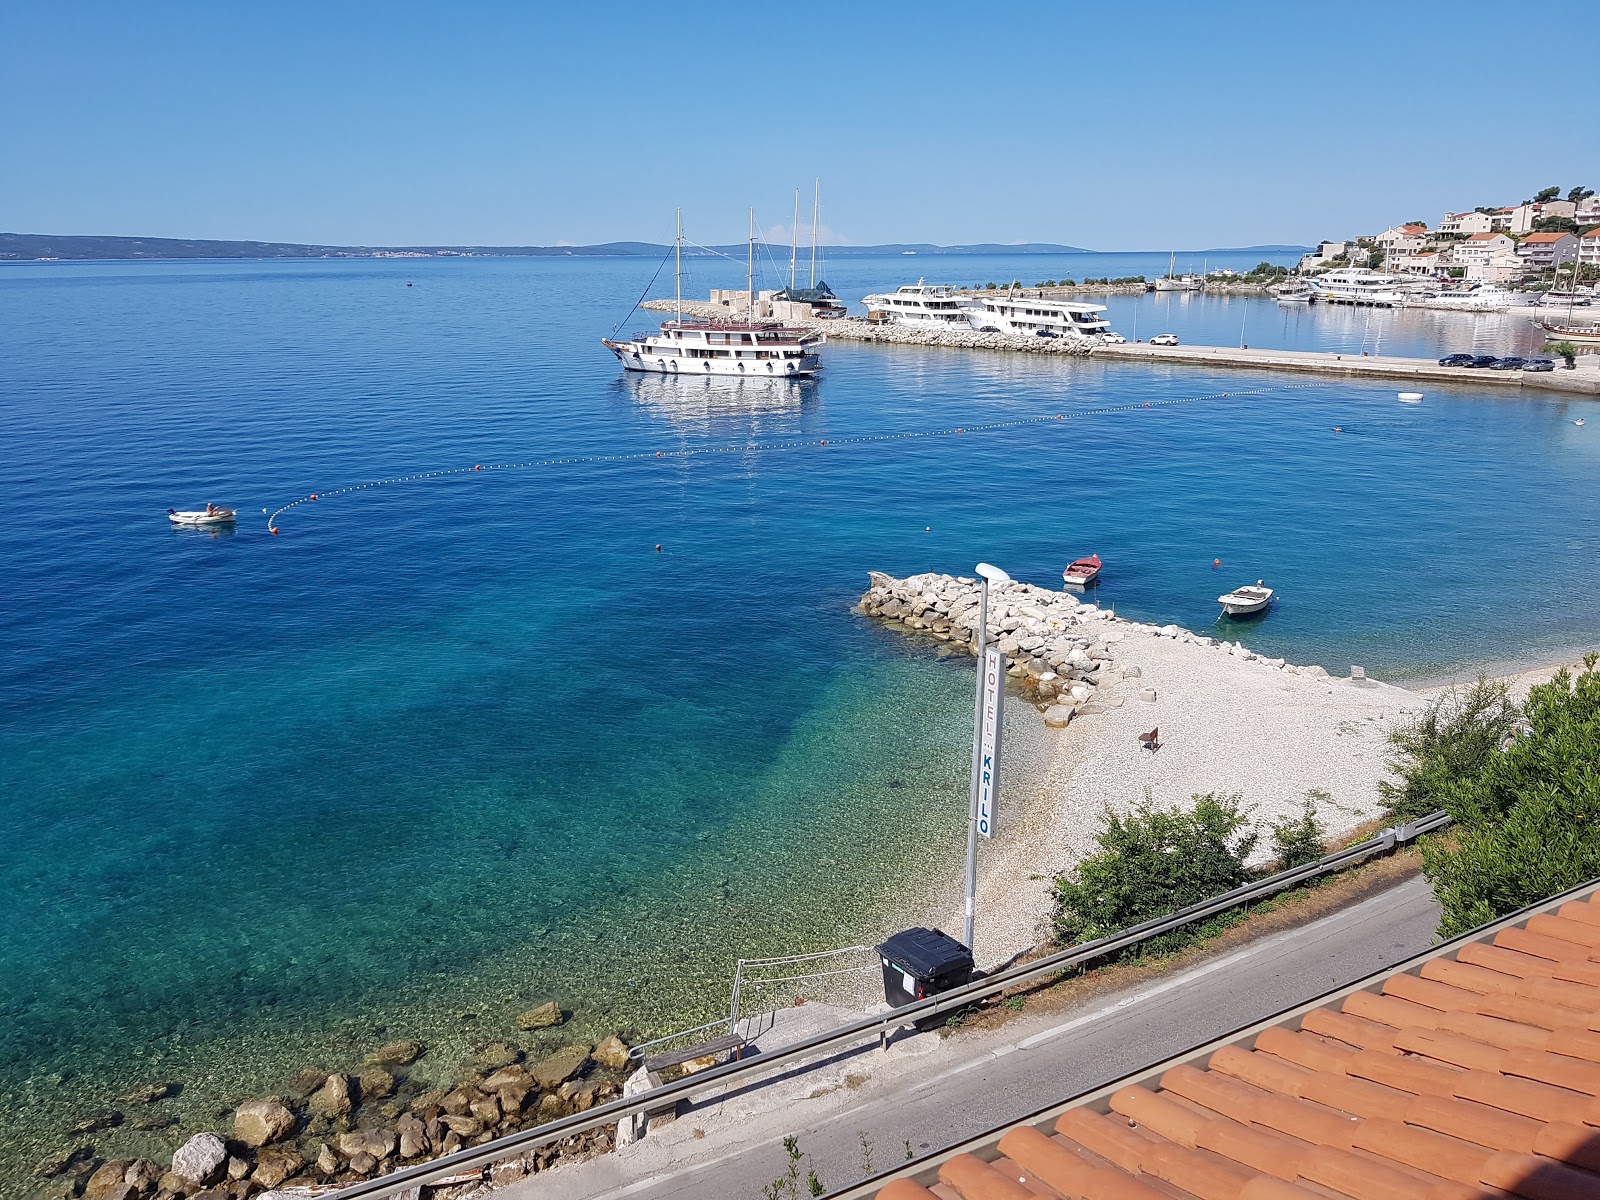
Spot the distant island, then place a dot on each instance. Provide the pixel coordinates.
(35, 247)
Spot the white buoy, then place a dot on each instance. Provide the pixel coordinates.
(1410, 397)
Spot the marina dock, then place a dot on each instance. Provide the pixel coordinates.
(1585, 380)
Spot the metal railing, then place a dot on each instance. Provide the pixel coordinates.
(882, 1025)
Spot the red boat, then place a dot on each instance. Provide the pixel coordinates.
(1082, 571)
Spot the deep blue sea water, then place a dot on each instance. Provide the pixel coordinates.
(447, 748)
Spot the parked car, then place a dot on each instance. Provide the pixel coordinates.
(1483, 360)
(1112, 339)
(1539, 364)
(1047, 333)
(1164, 339)
(1510, 363)
(1456, 360)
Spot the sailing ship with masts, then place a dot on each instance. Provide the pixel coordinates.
(749, 348)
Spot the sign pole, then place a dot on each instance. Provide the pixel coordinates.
(987, 704)
(977, 751)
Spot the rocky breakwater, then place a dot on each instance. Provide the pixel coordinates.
(1059, 647)
(849, 329)
(331, 1127)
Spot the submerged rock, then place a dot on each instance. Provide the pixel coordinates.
(400, 1053)
(561, 1066)
(544, 1016)
(92, 1122)
(149, 1093)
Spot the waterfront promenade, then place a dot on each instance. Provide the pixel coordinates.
(1585, 380)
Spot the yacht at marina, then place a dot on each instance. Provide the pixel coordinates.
(925, 304)
(1485, 297)
(1359, 285)
(749, 348)
(1062, 318)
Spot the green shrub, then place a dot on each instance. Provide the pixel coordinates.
(1299, 840)
(1152, 862)
(1448, 744)
(1527, 821)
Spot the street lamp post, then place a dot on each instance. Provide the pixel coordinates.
(986, 575)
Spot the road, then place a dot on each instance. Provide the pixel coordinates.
(855, 1114)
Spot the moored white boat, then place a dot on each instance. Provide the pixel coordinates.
(1061, 318)
(1358, 285)
(747, 349)
(1247, 601)
(926, 304)
(1410, 397)
(211, 514)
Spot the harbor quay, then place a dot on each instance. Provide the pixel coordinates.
(1584, 380)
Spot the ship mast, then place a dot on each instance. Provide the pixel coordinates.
(816, 205)
(750, 274)
(678, 273)
(794, 239)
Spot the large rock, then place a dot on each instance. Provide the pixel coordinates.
(144, 1175)
(561, 1066)
(375, 1083)
(400, 1053)
(613, 1053)
(379, 1143)
(201, 1159)
(543, 1017)
(332, 1100)
(258, 1122)
(413, 1137)
(108, 1182)
(507, 1077)
(1058, 716)
(275, 1164)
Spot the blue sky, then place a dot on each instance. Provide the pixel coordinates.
(1106, 125)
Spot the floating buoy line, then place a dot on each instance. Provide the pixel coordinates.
(768, 447)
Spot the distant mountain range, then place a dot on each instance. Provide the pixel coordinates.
(36, 246)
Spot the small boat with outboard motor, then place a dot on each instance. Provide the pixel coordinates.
(200, 518)
(1081, 572)
(1247, 601)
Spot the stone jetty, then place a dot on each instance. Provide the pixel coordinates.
(1061, 648)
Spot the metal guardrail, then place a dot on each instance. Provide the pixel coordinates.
(880, 1026)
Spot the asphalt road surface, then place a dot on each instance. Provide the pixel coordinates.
(855, 1114)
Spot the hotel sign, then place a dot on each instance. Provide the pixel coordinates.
(993, 702)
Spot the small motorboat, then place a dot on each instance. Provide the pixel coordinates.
(211, 514)
(1081, 572)
(1410, 397)
(1247, 601)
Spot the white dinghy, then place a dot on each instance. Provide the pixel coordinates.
(211, 514)
(1247, 601)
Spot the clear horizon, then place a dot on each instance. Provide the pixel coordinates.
(507, 125)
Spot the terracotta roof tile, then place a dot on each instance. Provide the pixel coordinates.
(1352, 1030)
(1581, 932)
(977, 1180)
(1491, 1127)
(1475, 1075)
(1541, 1101)
(1427, 1151)
(1509, 962)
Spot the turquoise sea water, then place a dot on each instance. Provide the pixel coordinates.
(448, 748)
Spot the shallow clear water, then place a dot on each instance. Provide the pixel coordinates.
(460, 745)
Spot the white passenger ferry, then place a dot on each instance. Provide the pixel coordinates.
(1483, 298)
(925, 304)
(1359, 285)
(748, 348)
(1063, 318)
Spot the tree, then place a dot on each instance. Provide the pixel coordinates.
(1447, 744)
(1152, 862)
(1555, 225)
(1543, 194)
(1527, 823)
(1579, 193)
